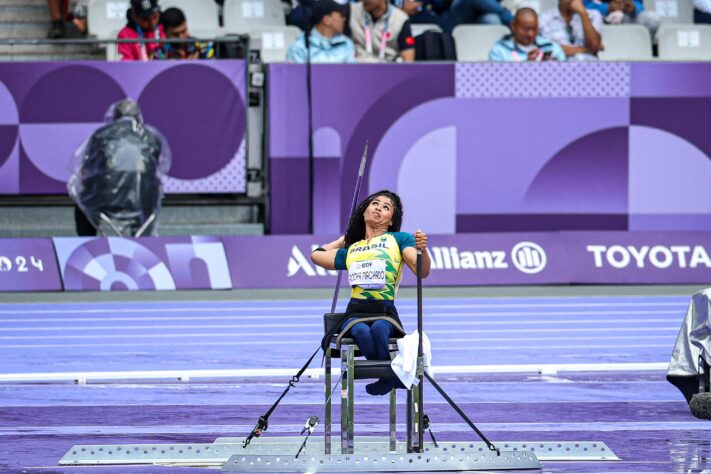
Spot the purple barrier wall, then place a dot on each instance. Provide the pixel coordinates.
(495, 259)
(151, 263)
(48, 109)
(497, 147)
(28, 265)
(179, 263)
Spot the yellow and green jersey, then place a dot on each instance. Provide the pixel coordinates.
(386, 248)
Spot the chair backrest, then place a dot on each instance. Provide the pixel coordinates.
(106, 17)
(684, 42)
(419, 28)
(241, 16)
(539, 5)
(671, 11)
(273, 41)
(202, 15)
(475, 41)
(626, 43)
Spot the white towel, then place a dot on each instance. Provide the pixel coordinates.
(405, 362)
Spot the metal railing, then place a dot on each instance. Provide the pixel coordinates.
(225, 47)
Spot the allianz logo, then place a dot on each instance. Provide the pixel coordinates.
(527, 257)
(657, 256)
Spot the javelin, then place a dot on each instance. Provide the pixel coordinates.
(359, 181)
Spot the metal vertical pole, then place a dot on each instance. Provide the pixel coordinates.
(420, 359)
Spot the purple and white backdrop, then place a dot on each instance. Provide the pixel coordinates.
(151, 263)
(47, 109)
(497, 147)
(28, 265)
(282, 261)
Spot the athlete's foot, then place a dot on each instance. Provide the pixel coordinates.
(380, 387)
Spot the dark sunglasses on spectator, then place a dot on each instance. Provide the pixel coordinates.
(569, 30)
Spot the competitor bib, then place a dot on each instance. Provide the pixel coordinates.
(368, 274)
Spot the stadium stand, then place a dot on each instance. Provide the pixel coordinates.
(626, 43)
(684, 42)
(273, 41)
(240, 16)
(475, 41)
(106, 17)
(202, 15)
(671, 11)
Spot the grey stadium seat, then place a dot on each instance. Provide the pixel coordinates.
(626, 43)
(475, 41)
(419, 28)
(671, 11)
(202, 15)
(241, 16)
(106, 17)
(273, 41)
(684, 42)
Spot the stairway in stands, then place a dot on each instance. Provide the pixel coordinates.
(29, 20)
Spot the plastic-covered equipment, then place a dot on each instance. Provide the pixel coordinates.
(118, 174)
(691, 357)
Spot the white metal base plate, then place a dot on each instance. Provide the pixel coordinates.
(219, 452)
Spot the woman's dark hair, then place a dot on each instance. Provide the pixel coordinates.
(356, 225)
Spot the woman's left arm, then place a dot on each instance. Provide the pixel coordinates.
(410, 254)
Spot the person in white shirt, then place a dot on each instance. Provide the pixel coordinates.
(574, 28)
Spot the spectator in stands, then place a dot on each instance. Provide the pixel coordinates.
(326, 41)
(175, 26)
(484, 12)
(381, 32)
(57, 28)
(702, 11)
(615, 12)
(426, 12)
(573, 27)
(143, 23)
(525, 44)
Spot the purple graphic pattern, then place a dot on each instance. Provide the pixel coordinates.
(500, 148)
(48, 109)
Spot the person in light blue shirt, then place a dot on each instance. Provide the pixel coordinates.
(327, 43)
(525, 44)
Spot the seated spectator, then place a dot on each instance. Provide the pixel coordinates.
(573, 27)
(143, 23)
(175, 26)
(484, 12)
(525, 44)
(615, 12)
(381, 32)
(327, 43)
(57, 28)
(702, 11)
(426, 12)
(118, 172)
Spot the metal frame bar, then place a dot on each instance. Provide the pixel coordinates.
(327, 393)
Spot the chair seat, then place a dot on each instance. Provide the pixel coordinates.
(372, 369)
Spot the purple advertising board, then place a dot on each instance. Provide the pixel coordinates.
(28, 265)
(47, 109)
(150, 263)
(638, 257)
(535, 258)
(478, 148)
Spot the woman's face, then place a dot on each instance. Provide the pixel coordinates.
(379, 211)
